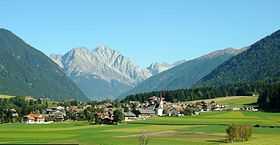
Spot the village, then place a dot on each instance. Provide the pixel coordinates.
(106, 112)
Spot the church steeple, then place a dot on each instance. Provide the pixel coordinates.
(160, 106)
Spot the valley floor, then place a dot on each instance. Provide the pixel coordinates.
(206, 129)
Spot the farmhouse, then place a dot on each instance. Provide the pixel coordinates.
(172, 112)
(55, 114)
(129, 116)
(34, 118)
(250, 108)
(14, 113)
(146, 112)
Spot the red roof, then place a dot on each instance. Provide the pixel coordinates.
(33, 116)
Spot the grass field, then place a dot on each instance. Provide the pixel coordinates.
(206, 129)
(232, 100)
(6, 96)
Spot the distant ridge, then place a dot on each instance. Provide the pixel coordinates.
(186, 74)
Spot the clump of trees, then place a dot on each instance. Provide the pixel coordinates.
(118, 116)
(269, 98)
(237, 133)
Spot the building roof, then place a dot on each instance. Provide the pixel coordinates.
(147, 111)
(129, 114)
(33, 116)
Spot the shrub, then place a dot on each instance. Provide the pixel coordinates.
(257, 125)
(238, 133)
(118, 116)
(143, 139)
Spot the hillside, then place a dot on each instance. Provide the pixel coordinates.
(260, 62)
(185, 74)
(25, 71)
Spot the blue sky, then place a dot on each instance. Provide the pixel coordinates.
(145, 30)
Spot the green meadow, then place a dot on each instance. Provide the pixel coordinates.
(235, 101)
(205, 129)
(6, 96)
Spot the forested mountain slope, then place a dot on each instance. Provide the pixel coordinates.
(260, 62)
(25, 71)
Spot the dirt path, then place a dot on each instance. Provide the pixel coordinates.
(159, 133)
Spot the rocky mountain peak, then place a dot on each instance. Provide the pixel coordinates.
(103, 67)
(103, 49)
(108, 55)
(78, 52)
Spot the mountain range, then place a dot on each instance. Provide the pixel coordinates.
(103, 72)
(25, 71)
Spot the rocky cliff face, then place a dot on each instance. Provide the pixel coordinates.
(102, 72)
